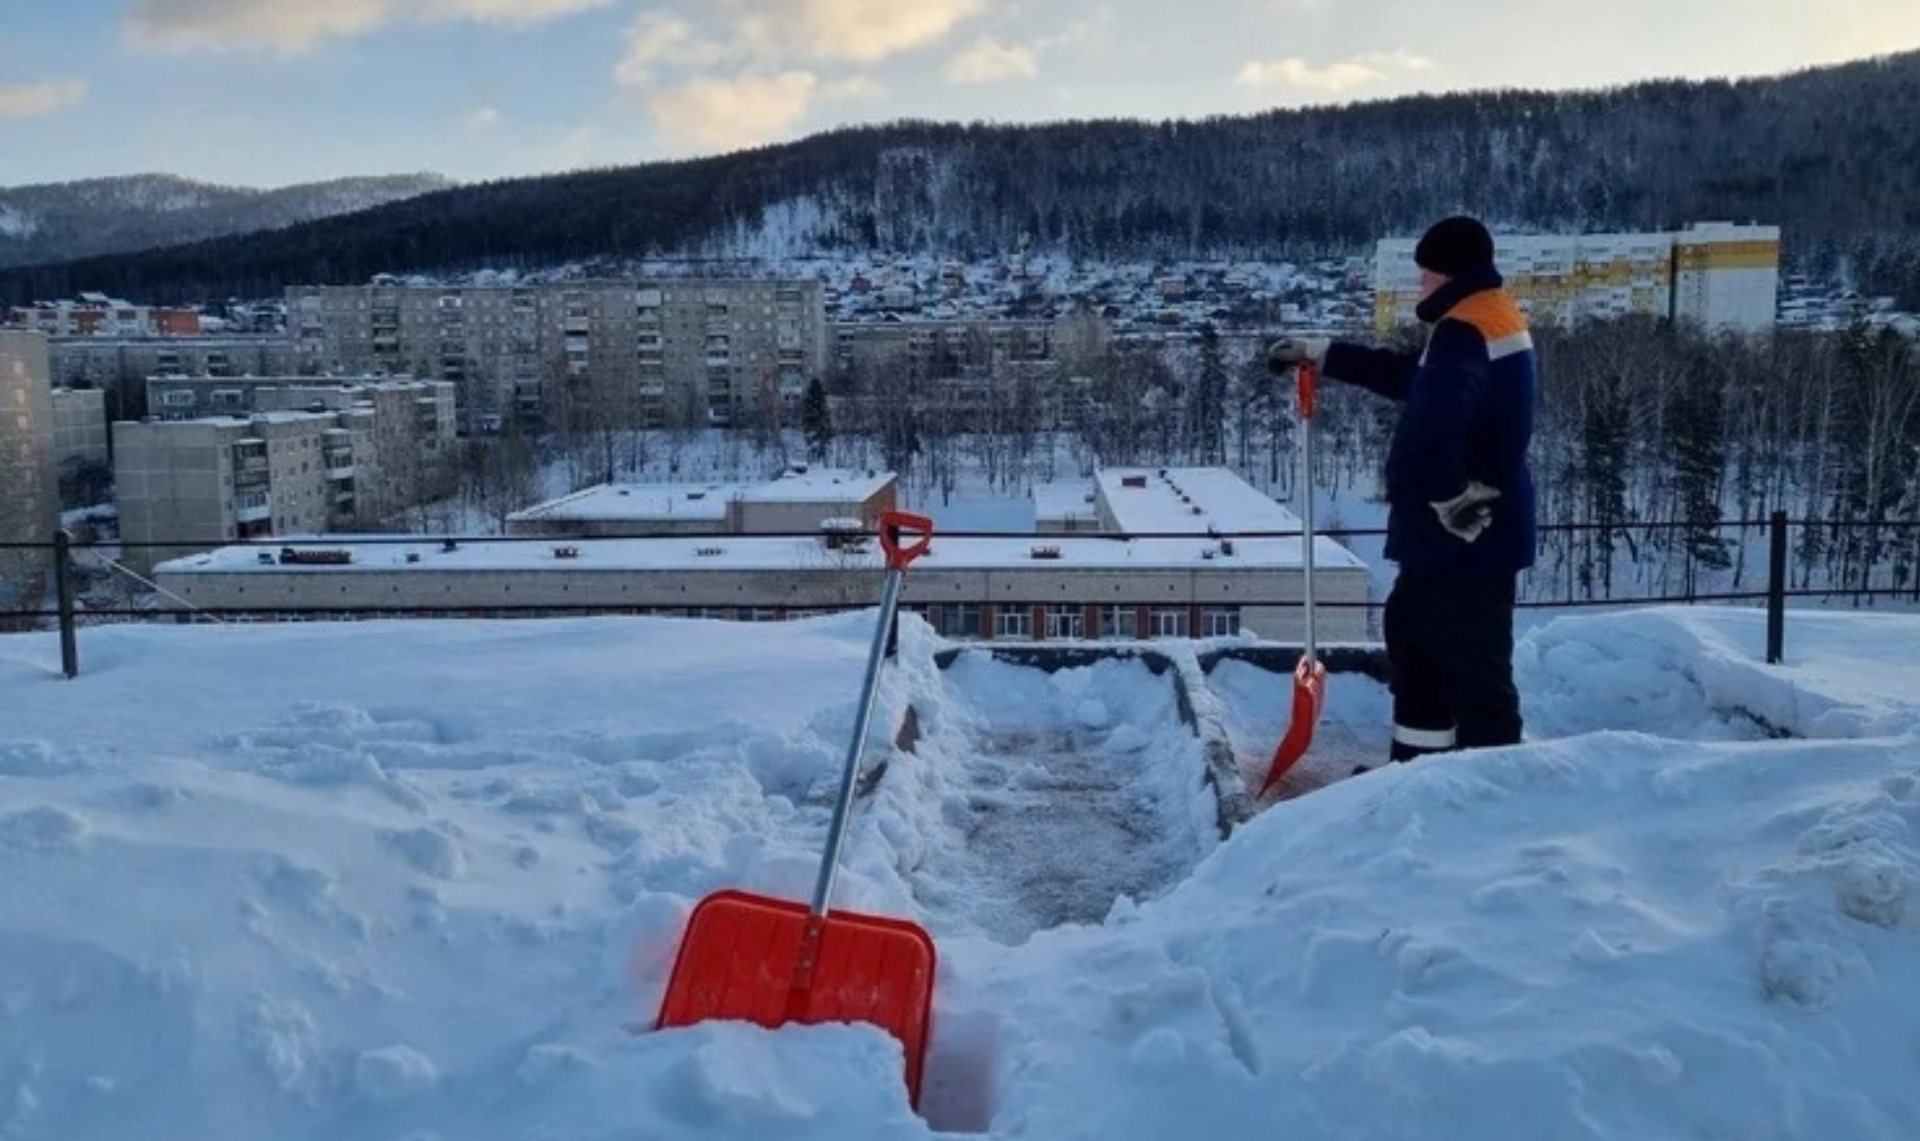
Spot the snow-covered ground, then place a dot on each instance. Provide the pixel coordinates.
(424, 881)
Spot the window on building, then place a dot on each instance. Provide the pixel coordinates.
(1168, 621)
(1219, 621)
(1120, 622)
(1013, 620)
(960, 620)
(1065, 620)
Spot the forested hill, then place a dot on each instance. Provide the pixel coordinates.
(58, 221)
(1830, 155)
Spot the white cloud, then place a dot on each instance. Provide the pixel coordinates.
(661, 38)
(869, 30)
(781, 44)
(1399, 60)
(291, 27)
(990, 61)
(36, 99)
(511, 12)
(856, 31)
(225, 25)
(728, 114)
(481, 118)
(1349, 74)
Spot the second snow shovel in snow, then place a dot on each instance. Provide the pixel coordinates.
(752, 958)
(1309, 674)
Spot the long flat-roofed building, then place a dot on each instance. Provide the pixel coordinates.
(1184, 576)
(801, 499)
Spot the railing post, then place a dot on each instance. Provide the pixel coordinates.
(63, 587)
(1776, 586)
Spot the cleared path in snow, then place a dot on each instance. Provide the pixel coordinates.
(1058, 794)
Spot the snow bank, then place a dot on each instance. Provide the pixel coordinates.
(424, 880)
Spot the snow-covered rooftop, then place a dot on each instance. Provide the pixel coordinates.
(1150, 501)
(767, 553)
(819, 485)
(638, 502)
(242, 419)
(1072, 499)
(635, 502)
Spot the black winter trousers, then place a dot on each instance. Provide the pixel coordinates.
(1450, 644)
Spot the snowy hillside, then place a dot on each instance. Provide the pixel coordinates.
(424, 880)
(59, 221)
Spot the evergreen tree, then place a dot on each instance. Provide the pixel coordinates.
(1698, 446)
(1207, 402)
(1607, 441)
(816, 420)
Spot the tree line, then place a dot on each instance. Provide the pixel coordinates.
(1659, 454)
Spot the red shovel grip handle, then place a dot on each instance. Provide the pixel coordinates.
(892, 523)
(1309, 377)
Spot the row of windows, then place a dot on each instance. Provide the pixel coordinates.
(1074, 621)
(1001, 622)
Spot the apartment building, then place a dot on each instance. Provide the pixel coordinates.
(630, 353)
(937, 347)
(120, 365)
(965, 375)
(1717, 276)
(29, 490)
(1187, 575)
(1727, 276)
(303, 458)
(97, 315)
(400, 399)
(80, 428)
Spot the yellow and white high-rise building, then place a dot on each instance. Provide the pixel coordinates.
(1719, 276)
(1727, 276)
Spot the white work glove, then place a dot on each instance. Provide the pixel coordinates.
(1285, 353)
(1469, 513)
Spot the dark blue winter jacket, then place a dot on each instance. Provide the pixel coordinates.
(1468, 415)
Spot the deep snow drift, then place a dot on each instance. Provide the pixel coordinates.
(423, 880)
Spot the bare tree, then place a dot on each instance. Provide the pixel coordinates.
(1879, 466)
(498, 476)
(684, 415)
(769, 419)
(595, 422)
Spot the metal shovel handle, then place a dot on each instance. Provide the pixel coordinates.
(1309, 381)
(892, 523)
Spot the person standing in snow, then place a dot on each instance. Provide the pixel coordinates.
(1460, 522)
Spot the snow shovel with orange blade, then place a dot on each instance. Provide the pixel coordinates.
(752, 958)
(1309, 673)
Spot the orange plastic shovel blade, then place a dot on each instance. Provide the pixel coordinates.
(739, 961)
(1309, 691)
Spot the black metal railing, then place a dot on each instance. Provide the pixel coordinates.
(63, 552)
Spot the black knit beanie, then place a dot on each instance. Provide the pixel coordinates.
(1454, 246)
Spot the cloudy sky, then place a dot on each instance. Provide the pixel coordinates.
(272, 92)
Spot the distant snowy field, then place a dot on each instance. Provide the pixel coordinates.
(422, 881)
